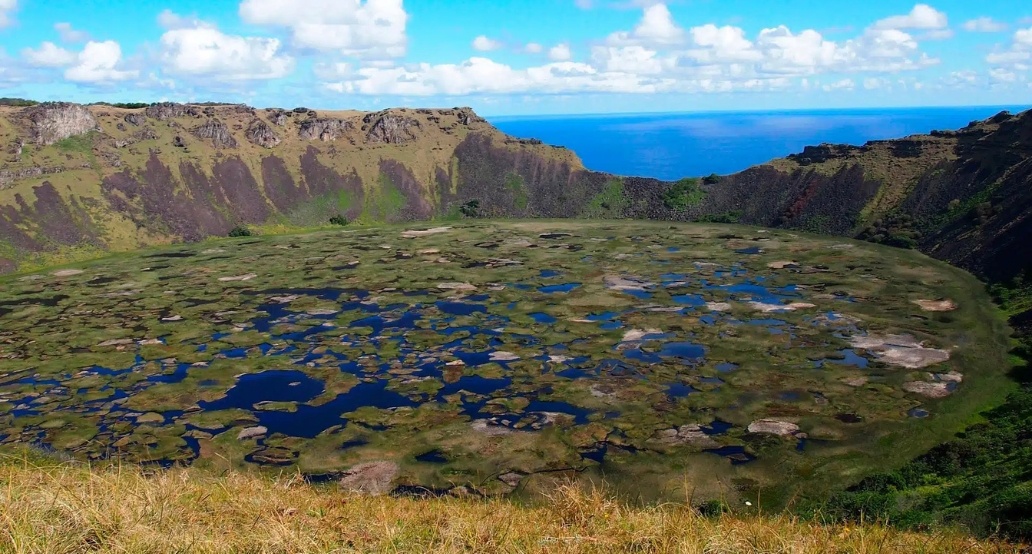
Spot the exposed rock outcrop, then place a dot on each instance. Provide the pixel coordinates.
(55, 121)
(170, 110)
(135, 119)
(277, 116)
(217, 132)
(324, 129)
(261, 134)
(390, 128)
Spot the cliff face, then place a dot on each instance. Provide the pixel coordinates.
(961, 196)
(107, 178)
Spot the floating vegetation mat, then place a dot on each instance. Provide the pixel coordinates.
(489, 357)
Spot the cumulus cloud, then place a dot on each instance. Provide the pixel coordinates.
(1015, 60)
(560, 53)
(933, 23)
(373, 29)
(98, 64)
(484, 44)
(922, 16)
(197, 49)
(984, 25)
(657, 27)
(49, 55)
(69, 33)
(7, 8)
(658, 55)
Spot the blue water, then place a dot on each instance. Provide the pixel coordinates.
(672, 146)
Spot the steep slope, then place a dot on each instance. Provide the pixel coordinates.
(963, 196)
(105, 178)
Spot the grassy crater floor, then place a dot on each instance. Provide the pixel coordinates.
(671, 361)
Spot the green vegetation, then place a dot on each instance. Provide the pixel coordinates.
(17, 102)
(384, 203)
(124, 105)
(711, 179)
(896, 229)
(339, 220)
(981, 480)
(515, 185)
(734, 216)
(683, 194)
(81, 144)
(320, 209)
(470, 209)
(240, 231)
(399, 309)
(608, 204)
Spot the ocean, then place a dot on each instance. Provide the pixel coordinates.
(675, 145)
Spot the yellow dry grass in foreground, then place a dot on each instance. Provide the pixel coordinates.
(53, 507)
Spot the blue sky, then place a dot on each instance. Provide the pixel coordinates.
(521, 56)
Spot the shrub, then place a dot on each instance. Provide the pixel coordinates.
(240, 232)
(712, 179)
(339, 220)
(683, 194)
(470, 209)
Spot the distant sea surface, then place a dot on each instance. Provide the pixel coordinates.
(675, 145)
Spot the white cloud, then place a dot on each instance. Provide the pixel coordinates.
(533, 48)
(69, 33)
(1023, 38)
(984, 25)
(659, 56)
(656, 27)
(844, 84)
(204, 51)
(484, 44)
(484, 76)
(98, 63)
(1002, 75)
(627, 59)
(49, 55)
(1016, 58)
(560, 53)
(713, 45)
(875, 83)
(170, 20)
(373, 29)
(922, 16)
(7, 7)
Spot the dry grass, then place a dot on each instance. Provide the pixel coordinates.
(54, 507)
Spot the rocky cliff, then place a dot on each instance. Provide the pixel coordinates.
(105, 178)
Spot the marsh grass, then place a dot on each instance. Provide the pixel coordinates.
(54, 506)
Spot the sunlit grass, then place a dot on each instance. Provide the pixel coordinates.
(49, 506)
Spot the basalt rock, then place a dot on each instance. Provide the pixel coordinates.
(390, 128)
(170, 110)
(135, 119)
(324, 129)
(55, 121)
(277, 116)
(217, 132)
(261, 134)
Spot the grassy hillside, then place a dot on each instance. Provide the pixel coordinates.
(77, 180)
(64, 507)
